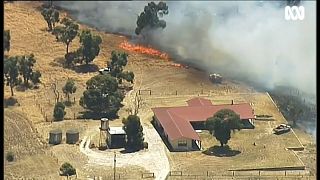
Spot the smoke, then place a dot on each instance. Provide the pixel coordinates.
(250, 41)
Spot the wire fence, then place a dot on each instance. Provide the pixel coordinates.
(298, 174)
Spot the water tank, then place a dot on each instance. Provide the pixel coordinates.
(55, 136)
(104, 124)
(72, 136)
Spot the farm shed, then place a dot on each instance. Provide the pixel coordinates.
(178, 124)
(116, 137)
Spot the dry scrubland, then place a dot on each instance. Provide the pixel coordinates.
(26, 129)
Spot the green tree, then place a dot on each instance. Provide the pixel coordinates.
(128, 76)
(58, 112)
(11, 72)
(26, 64)
(51, 16)
(67, 169)
(66, 33)
(35, 77)
(149, 18)
(89, 46)
(69, 88)
(102, 95)
(10, 156)
(118, 62)
(134, 132)
(6, 40)
(222, 123)
(70, 58)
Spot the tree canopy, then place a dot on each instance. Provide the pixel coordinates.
(6, 40)
(67, 32)
(102, 95)
(11, 72)
(51, 16)
(90, 46)
(35, 77)
(26, 64)
(222, 123)
(149, 18)
(134, 132)
(69, 88)
(58, 112)
(118, 62)
(67, 169)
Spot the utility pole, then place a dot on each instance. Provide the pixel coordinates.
(114, 167)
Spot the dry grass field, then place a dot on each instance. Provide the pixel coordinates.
(27, 125)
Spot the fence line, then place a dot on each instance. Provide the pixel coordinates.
(150, 92)
(262, 174)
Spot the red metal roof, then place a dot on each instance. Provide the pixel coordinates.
(176, 120)
(199, 102)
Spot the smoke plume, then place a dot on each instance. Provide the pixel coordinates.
(250, 41)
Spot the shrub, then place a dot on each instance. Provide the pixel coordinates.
(67, 169)
(145, 145)
(11, 101)
(10, 156)
(58, 112)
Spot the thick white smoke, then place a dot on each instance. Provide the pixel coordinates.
(247, 40)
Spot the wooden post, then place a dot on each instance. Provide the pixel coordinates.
(207, 173)
(176, 92)
(139, 91)
(114, 167)
(150, 92)
(74, 115)
(74, 99)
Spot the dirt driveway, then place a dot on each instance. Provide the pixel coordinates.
(154, 159)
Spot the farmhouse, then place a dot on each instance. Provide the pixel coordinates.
(178, 124)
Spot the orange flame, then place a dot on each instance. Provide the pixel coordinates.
(150, 51)
(143, 50)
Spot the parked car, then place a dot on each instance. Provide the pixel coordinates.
(104, 70)
(215, 78)
(282, 128)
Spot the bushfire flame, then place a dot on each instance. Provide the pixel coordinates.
(149, 51)
(143, 50)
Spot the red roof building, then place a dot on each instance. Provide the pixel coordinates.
(176, 122)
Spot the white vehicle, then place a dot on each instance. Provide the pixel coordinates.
(104, 71)
(215, 78)
(282, 128)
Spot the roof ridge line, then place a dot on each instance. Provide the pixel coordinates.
(174, 121)
(178, 126)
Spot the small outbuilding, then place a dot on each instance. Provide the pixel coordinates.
(116, 137)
